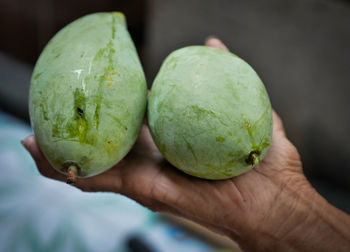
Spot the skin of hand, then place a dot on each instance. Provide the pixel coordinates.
(270, 208)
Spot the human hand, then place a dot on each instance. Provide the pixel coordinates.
(259, 209)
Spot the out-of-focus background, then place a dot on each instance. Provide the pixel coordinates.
(300, 49)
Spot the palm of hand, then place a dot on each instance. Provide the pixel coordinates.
(244, 201)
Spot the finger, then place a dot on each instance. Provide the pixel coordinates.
(277, 124)
(108, 181)
(144, 146)
(43, 165)
(216, 43)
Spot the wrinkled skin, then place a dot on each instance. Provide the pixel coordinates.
(258, 209)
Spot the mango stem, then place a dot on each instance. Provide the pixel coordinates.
(72, 174)
(253, 158)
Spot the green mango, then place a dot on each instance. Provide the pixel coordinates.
(88, 95)
(209, 113)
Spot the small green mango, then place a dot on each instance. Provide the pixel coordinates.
(209, 113)
(88, 95)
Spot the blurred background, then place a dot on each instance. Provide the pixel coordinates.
(300, 49)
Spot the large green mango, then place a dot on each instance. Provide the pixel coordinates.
(209, 113)
(88, 95)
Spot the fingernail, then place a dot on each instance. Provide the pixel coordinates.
(210, 37)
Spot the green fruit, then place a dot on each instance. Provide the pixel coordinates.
(88, 95)
(209, 113)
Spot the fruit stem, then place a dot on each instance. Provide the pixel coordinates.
(72, 174)
(255, 158)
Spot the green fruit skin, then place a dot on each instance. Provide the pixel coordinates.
(209, 112)
(88, 95)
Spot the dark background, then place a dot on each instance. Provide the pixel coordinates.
(300, 49)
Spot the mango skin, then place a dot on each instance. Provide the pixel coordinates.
(88, 95)
(209, 113)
